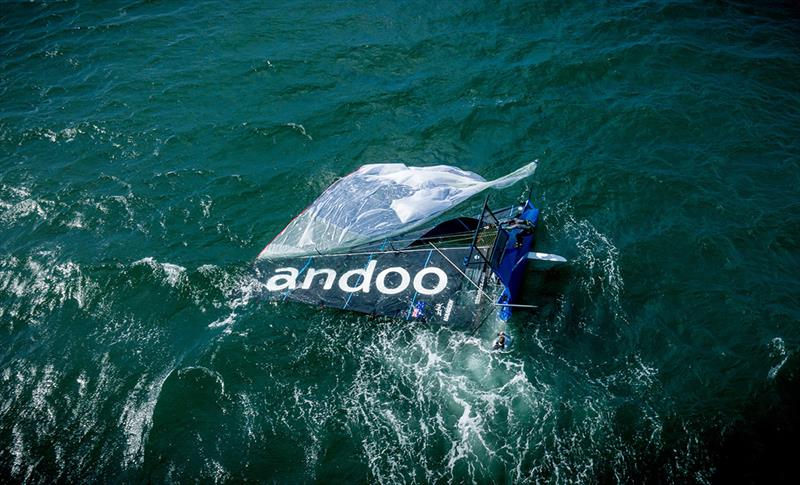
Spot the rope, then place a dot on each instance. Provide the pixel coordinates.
(517, 305)
(462, 273)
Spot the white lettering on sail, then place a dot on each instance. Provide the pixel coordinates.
(448, 310)
(428, 281)
(362, 284)
(380, 282)
(283, 281)
(330, 277)
(442, 284)
(480, 288)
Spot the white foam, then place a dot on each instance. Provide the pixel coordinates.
(459, 388)
(250, 414)
(207, 268)
(173, 274)
(76, 222)
(597, 255)
(41, 284)
(239, 291)
(779, 353)
(82, 380)
(17, 450)
(223, 322)
(19, 210)
(300, 129)
(206, 204)
(137, 417)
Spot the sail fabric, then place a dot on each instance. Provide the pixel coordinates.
(378, 201)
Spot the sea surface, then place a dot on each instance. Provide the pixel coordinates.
(150, 150)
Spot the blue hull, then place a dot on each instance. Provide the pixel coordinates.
(515, 258)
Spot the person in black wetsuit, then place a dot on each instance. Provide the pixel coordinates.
(525, 227)
(500, 343)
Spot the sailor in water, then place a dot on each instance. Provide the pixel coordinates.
(500, 343)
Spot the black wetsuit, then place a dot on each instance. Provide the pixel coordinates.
(500, 343)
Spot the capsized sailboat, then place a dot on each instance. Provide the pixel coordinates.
(359, 247)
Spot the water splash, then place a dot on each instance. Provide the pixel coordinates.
(779, 354)
(137, 416)
(173, 274)
(39, 284)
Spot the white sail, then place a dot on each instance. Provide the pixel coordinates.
(379, 201)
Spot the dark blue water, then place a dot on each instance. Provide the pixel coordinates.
(148, 152)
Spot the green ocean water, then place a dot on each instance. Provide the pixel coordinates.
(149, 151)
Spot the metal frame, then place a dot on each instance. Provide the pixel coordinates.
(487, 258)
(473, 244)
